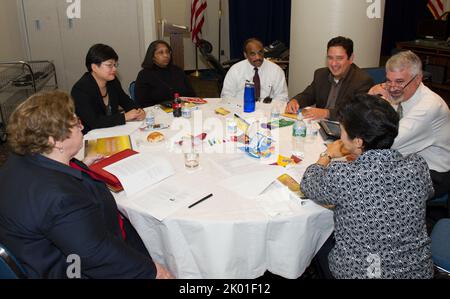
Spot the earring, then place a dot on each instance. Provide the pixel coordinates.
(61, 150)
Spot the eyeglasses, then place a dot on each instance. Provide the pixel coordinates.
(253, 54)
(163, 52)
(78, 123)
(398, 85)
(111, 65)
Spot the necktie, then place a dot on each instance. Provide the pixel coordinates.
(400, 110)
(257, 83)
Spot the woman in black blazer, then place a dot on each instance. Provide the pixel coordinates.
(53, 209)
(98, 94)
(159, 79)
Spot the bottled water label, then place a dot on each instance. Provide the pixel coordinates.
(299, 129)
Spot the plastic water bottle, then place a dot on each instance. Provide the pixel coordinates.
(149, 119)
(249, 97)
(299, 131)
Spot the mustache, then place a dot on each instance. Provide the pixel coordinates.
(258, 60)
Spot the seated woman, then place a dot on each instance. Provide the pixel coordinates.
(52, 209)
(379, 198)
(159, 79)
(98, 94)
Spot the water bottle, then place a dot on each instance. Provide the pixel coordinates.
(249, 97)
(299, 136)
(176, 105)
(149, 119)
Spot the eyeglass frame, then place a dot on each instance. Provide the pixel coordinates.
(387, 85)
(78, 123)
(110, 65)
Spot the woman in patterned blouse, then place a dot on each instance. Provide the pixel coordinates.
(379, 198)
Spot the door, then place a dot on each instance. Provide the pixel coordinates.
(43, 34)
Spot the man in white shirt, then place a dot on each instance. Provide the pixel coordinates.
(424, 116)
(272, 81)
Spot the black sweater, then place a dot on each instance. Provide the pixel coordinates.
(89, 104)
(157, 85)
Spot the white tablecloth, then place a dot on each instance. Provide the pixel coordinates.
(228, 235)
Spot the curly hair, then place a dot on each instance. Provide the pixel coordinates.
(43, 115)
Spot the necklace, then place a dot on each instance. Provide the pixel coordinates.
(104, 96)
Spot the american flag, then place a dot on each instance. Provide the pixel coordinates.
(438, 7)
(198, 9)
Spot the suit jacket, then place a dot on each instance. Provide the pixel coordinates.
(356, 81)
(89, 104)
(49, 211)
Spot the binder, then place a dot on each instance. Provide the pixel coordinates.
(111, 180)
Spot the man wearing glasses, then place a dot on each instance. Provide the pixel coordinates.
(269, 78)
(424, 116)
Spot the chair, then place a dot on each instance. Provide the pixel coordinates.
(378, 74)
(9, 266)
(440, 245)
(220, 69)
(131, 90)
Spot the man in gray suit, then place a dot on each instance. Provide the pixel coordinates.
(332, 84)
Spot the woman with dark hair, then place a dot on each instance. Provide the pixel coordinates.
(98, 94)
(54, 210)
(379, 199)
(159, 79)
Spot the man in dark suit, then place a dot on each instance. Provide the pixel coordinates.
(332, 84)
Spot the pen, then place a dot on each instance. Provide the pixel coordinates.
(199, 201)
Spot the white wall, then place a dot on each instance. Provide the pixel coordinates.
(314, 23)
(11, 47)
(178, 12)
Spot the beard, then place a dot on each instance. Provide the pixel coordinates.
(396, 99)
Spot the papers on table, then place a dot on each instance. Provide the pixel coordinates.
(126, 129)
(247, 177)
(169, 196)
(140, 171)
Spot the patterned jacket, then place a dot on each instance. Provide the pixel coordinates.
(379, 214)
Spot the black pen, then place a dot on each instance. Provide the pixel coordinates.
(199, 201)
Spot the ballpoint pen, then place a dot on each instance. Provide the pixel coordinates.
(199, 201)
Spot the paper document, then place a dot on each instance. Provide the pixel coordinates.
(140, 171)
(173, 194)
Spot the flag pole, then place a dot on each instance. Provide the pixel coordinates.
(196, 73)
(220, 30)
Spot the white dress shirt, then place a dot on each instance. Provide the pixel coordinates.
(273, 80)
(425, 129)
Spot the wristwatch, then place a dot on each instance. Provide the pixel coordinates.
(325, 154)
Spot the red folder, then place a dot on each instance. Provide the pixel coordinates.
(110, 179)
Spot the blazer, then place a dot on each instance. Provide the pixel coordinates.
(356, 81)
(49, 211)
(89, 104)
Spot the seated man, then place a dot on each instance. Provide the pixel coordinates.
(268, 77)
(424, 116)
(332, 84)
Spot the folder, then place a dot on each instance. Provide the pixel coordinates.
(111, 180)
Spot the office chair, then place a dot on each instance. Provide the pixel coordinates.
(9, 266)
(131, 90)
(440, 245)
(220, 69)
(378, 74)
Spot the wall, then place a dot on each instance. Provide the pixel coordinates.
(316, 22)
(179, 12)
(11, 47)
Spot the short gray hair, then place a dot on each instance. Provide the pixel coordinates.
(405, 60)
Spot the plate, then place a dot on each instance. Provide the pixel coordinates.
(194, 100)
